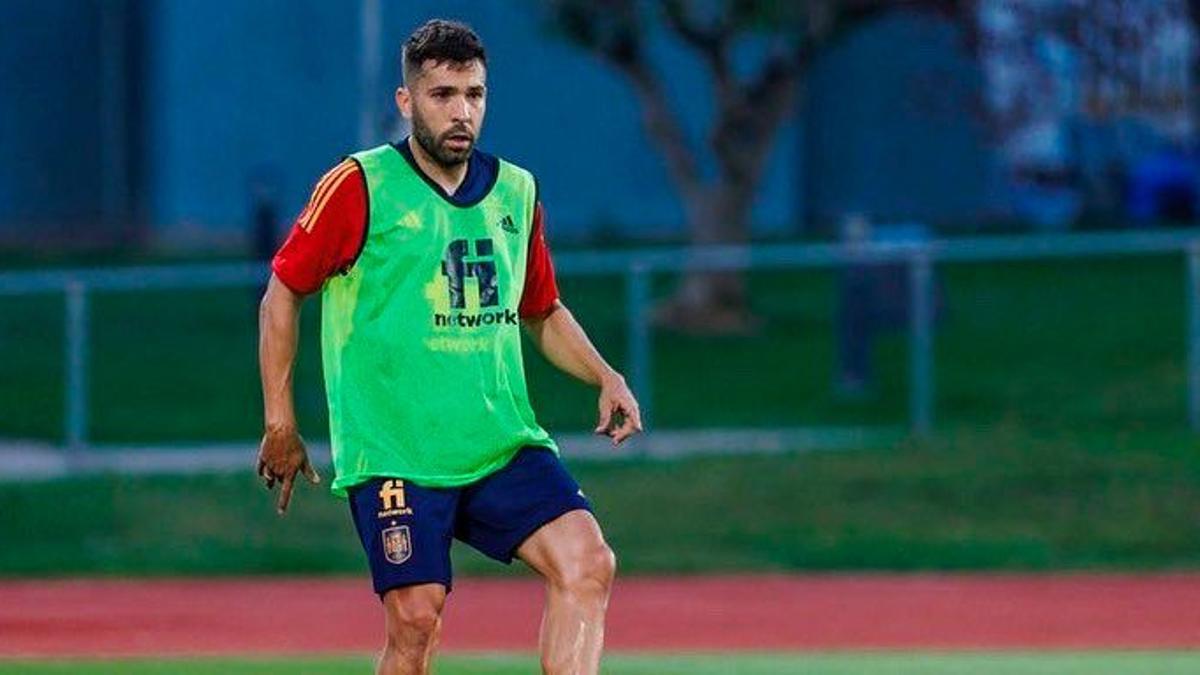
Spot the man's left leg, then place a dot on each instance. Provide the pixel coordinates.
(533, 509)
(571, 555)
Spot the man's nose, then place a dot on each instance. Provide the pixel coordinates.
(461, 110)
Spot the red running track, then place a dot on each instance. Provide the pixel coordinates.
(272, 615)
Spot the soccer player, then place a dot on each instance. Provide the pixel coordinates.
(430, 255)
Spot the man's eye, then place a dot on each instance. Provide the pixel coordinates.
(475, 95)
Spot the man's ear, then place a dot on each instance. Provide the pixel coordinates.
(404, 102)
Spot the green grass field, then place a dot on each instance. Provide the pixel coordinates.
(1004, 663)
(973, 499)
(1061, 440)
(1086, 345)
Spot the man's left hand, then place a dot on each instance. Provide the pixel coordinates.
(620, 417)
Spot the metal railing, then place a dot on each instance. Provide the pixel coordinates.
(637, 266)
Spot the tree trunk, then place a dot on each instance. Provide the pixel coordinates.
(713, 302)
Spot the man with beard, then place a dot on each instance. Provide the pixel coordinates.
(429, 255)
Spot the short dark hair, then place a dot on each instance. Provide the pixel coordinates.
(441, 40)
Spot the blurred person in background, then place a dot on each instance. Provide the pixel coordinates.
(1163, 186)
(874, 299)
(430, 256)
(264, 218)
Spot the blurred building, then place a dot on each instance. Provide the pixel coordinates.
(225, 90)
(147, 121)
(70, 72)
(1092, 105)
(893, 129)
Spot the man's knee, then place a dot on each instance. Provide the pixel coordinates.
(589, 570)
(413, 614)
(602, 565)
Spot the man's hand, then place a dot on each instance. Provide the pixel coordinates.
(281, 456)
(561, 339)
(620, 417)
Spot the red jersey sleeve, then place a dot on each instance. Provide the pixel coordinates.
(541, 289)
(328, 235)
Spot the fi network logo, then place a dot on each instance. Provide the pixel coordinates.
(473, 259)
(458, 265)
(391, 500)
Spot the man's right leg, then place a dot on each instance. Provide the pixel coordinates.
(414, 618)
(406, 532)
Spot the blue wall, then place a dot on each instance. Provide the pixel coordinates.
(894, 134)
(235, 86)
(49, 114)
(233, 89)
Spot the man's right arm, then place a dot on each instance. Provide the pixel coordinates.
(278, 335)
(282, 453)
(325, 240)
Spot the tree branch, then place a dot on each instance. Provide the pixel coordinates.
(712, 43)
(664, 129)
(611, 30)
(608, 28)
(746, 124)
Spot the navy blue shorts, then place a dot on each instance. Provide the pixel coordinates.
(406, 529)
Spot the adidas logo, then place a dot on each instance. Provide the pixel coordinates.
(506, 223)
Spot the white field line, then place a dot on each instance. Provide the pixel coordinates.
(34, 460)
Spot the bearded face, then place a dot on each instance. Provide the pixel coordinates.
(446, 103)
(448, 148)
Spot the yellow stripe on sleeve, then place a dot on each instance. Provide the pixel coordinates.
(316, 214)
(325, 187)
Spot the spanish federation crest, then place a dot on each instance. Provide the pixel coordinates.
(397, 544)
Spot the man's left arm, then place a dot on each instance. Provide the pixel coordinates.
(559, 336)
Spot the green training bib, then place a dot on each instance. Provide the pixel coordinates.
(421, 340)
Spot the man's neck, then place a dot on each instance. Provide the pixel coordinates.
(448, 178)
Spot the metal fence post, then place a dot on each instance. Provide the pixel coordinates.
(637, 283)
(1192, 295)
(369, 36)
(920, 288)
(76, 357)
